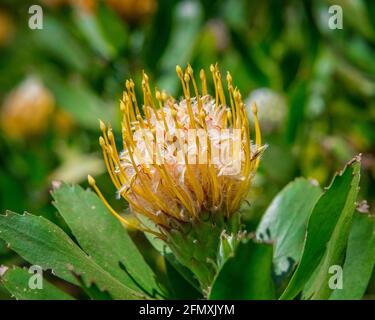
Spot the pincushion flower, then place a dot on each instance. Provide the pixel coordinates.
(185, 167)
(27, 109)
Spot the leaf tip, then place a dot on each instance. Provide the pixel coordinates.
(357, 158)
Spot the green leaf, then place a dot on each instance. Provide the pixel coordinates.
(285, 222)
(67, 49)
(89, 25)
(158, 35)
(179, 280)
(113, 29)
(180, 288)
(166, 252)
(247, 275)
(40, 242)
(82, 103)
(328, 225)
(359, 260)
(296, 111)
(103, 237)
(186, 26)
(92, 290)
(3, 249)
(16, 281)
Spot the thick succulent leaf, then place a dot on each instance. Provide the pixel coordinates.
(16, 281)
(42, 243)
(285, 222)
(103, 237)
(359, 260)
(328, 225)
(247, 275)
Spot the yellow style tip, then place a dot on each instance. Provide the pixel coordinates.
(178, 70)
(190, 69)
(91, 180)
(254, 108)
(101, 141)
(102, 125)
(229, 115)
(158, 95)
(229, 77)
(145, 76)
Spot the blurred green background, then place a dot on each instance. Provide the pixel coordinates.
(315, 87)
